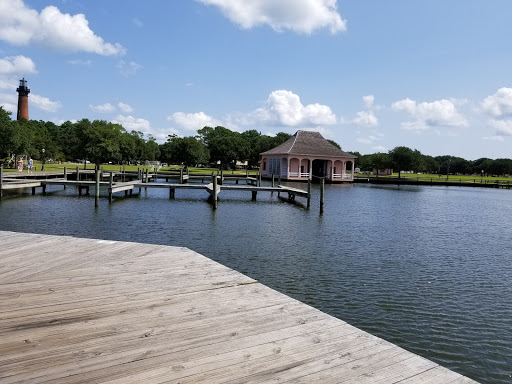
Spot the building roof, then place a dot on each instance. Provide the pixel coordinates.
(308, 143)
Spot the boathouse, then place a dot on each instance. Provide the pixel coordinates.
(307, 155)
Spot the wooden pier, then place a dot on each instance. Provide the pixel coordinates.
(94, 311)
(115, 182)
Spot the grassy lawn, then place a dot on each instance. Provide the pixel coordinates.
(451, 178)
(55, 167)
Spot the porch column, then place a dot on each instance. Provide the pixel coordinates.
(353, 168)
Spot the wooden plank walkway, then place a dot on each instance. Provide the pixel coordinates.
(93, 311)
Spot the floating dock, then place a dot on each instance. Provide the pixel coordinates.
(79, 310)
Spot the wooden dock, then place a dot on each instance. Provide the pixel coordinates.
(94, 311)
(115, 183)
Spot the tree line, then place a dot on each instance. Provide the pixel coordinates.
(100, 141)
(406, 159)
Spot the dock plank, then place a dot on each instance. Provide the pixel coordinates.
(85, 310)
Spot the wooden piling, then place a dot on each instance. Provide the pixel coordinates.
(273, 182)
(111, 182)
(259, 179)
(214, 181)
(1, 178)
(77, 174)
(97, 190)
(181, 175)
(254, 194)
(309, 193)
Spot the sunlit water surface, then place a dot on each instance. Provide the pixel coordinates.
(427, 268)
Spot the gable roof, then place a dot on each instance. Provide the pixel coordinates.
(307, 143)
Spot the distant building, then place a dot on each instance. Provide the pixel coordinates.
(383, 172)
(307, 155)
(23, 92)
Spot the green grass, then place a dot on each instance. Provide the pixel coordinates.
(450, 178)
(55, 167)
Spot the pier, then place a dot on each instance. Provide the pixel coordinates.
(114, 182)
(80, 310)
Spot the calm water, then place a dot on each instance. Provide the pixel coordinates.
(427, 268)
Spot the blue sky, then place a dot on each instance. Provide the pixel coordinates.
(369, 74)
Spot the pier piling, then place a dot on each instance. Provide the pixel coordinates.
(97, 188)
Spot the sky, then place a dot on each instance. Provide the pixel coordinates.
(435, 75)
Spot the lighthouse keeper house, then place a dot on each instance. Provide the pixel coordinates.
(307, 155)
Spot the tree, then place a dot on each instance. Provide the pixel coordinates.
(7, 134)
(334, 143)
(380, 161)
(187, 150)
(404, 158)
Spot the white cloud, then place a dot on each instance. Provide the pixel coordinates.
(380, 148)
(109, 108)
(45, 103)
(285, 108)
(368, 101)
(80, 62)
(131, 123)
(20, 25)
(103, 108)
(16, 65)
(366, 119)
(499, 104)
(193, 121)
(502, 127)
(499, 139)
(371, 138)
(128, 69)
(9, 107)
(302, 16)
(125, 107)
(426, 115)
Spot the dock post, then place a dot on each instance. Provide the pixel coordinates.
(309, 193)
(181, 175)
(1, 178)
(65, 176)
(221, 176)
(214, 192)
(172, 193)
(124, 173)
(97, 189)
(273, 182)
(33, 191)
(322, 195)
(259, 179)
(77, 174)
(111, 181)
(254, 193)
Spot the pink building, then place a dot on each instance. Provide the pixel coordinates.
(306, 155)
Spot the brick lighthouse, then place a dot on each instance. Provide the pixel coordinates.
(23, 92)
